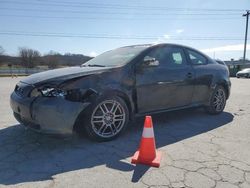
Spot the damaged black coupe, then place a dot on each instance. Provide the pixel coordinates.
(103, 95)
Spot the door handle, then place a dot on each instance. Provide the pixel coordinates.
(189, 75)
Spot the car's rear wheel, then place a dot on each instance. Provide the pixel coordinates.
(106, 118)
(217, 101)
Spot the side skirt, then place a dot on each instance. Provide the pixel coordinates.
(170, 109)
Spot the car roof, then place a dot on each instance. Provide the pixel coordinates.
(138, 45)
(183, 46)
(158, 44)
(165, 44)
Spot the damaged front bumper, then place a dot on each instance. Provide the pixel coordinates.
(53, 115)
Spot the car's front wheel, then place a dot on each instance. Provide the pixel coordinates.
(106, 118)
(217, 101)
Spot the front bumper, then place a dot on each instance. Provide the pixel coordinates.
(53, 115)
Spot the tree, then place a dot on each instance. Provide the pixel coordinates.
(1, 53)
(1, 50)
(29, 57)
(52, 59)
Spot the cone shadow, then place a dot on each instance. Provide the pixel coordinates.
(139, 171)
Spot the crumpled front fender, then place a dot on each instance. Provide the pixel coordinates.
(55, 114)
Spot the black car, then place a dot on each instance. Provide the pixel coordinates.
(103, 95)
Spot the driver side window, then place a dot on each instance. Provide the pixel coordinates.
(156, 54)
(168, 57)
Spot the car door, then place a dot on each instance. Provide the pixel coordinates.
(166, 85)
(204, 72)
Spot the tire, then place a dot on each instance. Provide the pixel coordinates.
(217, 101)
(106, 118)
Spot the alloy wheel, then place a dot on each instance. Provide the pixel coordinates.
(108, 118)
(219, 100)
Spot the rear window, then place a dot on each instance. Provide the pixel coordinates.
(196, 58)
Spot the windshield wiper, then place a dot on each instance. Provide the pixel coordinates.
(95, 65)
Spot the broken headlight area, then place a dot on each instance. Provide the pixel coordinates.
(47, 92)
(79, 95)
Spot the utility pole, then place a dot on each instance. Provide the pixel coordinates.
(245, 45)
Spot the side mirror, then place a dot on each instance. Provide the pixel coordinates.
(150, 62)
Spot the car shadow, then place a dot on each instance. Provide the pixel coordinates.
(27, 156)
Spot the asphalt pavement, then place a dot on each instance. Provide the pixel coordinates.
(199, 150)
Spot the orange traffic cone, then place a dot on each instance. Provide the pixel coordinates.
(147, 153)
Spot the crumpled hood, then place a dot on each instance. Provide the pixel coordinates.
(62, 74)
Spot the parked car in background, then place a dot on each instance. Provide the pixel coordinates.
(245, 73)
(108, 91)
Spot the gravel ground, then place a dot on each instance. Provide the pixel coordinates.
(199, 150)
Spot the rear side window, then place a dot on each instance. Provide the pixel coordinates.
(196, 58)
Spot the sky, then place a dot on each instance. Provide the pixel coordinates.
(215, 27)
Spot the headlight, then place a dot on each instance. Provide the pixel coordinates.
(47, 92)
(35, 93)
(79, 95)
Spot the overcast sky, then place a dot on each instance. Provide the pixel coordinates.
(92, 27)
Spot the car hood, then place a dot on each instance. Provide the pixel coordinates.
(62, 74)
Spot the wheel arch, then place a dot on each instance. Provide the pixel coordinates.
(226, 87)
(77, 127)
(225, 84)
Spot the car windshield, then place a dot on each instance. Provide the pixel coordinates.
(117, 57)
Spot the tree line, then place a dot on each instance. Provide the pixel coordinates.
(30, 58)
